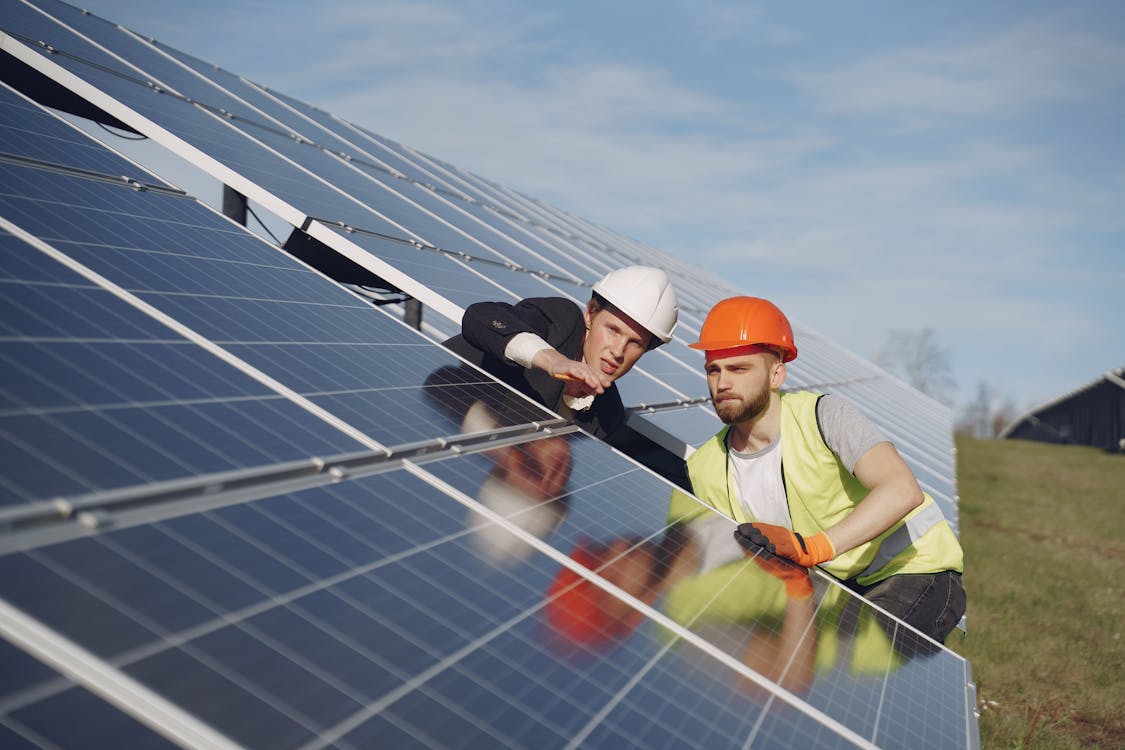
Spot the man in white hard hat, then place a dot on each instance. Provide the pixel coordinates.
(567, 357)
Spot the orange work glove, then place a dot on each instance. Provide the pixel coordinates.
(788, 544)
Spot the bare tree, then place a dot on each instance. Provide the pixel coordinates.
(1003, 415)
(987, 414)
(975, 416)
(919, 359)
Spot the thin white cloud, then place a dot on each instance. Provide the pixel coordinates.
(390, 39)
(743, 23)
(290, 46)
(1004, 74)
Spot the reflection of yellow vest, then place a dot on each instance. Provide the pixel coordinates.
(743, 598)
(863, 647)
(821, 492)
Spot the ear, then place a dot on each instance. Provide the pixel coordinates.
(588, 314)
(778, 376)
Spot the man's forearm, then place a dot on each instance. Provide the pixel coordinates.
(883, 507)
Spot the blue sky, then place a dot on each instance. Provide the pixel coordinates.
(869, 166)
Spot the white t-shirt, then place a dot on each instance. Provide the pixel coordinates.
(757, 475)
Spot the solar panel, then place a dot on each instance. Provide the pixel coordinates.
(252, 508)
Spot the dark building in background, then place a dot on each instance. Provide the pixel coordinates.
(1091, 415)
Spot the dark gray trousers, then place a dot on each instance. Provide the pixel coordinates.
(931, 602)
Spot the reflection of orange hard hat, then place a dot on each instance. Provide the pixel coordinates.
(745, 321)
(576, 607)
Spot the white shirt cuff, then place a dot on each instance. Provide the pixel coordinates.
(523, 347)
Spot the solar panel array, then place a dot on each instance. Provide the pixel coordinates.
(241, 506)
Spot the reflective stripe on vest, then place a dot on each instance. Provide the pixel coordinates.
(905, 536)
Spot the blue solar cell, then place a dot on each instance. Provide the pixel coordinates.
(19, 669)
(99, 395)
(461, 283)
(231, 288)
(74, 609)
(695, 425)
(257, 546)
(667, 366)
(25, 132)
(221, 698)
(89, 722)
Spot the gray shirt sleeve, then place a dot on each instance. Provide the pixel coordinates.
(847, 432)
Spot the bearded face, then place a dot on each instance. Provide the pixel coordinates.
(741, 383)
(732, 408)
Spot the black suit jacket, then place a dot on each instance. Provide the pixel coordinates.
(488, 326)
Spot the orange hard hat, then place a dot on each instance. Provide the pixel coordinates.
(747, 321)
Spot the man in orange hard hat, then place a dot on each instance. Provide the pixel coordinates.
(812, 480)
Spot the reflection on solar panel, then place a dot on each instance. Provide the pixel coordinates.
(242, 506)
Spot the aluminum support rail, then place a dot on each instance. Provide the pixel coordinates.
(32, 525)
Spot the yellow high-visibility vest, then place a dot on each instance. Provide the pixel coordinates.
(820, 492)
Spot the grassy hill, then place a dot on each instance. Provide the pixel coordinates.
(1043, 528)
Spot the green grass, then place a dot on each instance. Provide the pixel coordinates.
(1043, 528)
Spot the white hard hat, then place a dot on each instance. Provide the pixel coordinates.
(644, 294)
